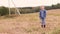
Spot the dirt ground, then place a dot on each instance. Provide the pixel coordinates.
(30, 23)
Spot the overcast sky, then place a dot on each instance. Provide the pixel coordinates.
(28, 3)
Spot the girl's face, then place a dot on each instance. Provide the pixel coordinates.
(42, 7)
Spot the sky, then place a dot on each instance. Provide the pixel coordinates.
(28, 3)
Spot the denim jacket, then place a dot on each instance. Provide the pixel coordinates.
(42, 14)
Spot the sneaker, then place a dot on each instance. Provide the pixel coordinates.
(44, 26)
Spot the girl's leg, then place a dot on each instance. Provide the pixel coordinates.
(43, 23)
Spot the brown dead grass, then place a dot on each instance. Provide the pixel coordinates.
(30, 23)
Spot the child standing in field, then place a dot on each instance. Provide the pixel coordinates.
(42, 16)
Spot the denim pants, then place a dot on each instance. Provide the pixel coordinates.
(43, 21)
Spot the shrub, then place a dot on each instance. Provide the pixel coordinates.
(3, 11)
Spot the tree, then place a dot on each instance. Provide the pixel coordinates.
(3, 11)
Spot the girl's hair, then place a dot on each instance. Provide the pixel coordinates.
(42, 7)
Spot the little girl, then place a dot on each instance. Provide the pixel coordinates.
(42, 16)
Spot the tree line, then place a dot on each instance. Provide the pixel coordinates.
(5, 10)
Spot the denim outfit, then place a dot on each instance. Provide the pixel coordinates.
(42, 16)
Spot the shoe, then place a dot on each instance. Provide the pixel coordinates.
(44, 26)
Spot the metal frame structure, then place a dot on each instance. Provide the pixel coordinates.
(14, 6)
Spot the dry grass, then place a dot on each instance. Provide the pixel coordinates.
(30, 23)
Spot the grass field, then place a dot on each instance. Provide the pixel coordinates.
(30, 24)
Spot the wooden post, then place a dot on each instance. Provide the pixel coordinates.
(9, 7)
